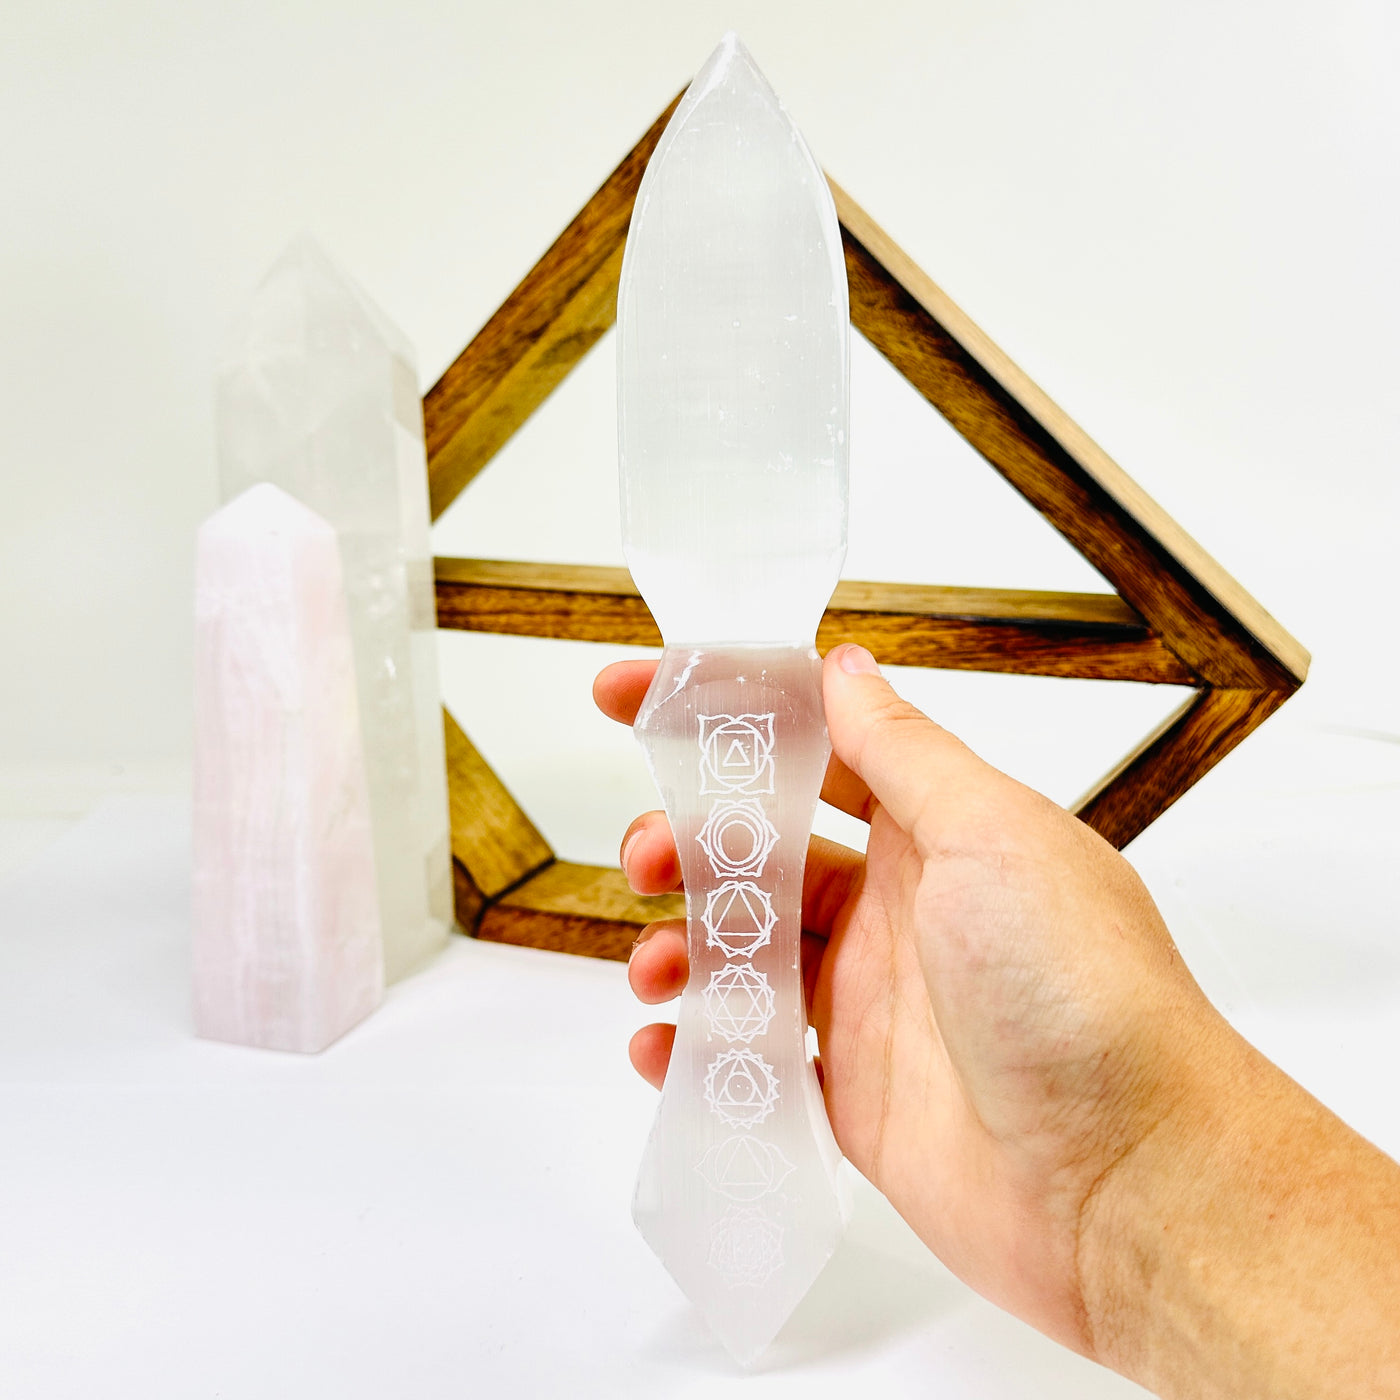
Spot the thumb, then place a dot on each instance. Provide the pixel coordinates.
(908, 762)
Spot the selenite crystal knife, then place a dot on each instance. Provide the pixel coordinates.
(733, 350)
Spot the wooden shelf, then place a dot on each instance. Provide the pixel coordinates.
(1092, 635)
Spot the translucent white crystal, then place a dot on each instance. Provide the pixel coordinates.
(318, 393)
(733, 370)
(287, 948)
(737, 1191)
(732, 408)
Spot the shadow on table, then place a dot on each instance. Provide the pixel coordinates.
(866, 1297)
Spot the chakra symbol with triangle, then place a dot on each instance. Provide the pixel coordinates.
(736, 753)
(738, 1002)
(739, 918)
(1175, 616)
(744, 1167)
(741, 1087)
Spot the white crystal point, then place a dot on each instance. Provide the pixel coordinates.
(318, 393)
(287, 947)
(745, 1225)
(733, 349)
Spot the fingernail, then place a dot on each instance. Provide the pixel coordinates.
(647, 931)
(627, 848)
(856, 661)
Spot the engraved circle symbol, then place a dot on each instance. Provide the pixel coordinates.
(737, 837)
(744, 1168)
(736, 753)
(739, 1002)
(738, 918)
(746, 1247)
(741, 1087)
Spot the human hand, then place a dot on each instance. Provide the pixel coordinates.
(1014, 1052)
(1000, 1011)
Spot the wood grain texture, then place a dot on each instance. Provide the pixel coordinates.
(1181, 618)
(571, 908)
(494, 843)
(1020, 631)
(558, 933)
(1186, 746)
(566, 887)
(1203, 614)
(565, 303)
(468, 902)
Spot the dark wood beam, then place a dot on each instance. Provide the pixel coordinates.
(1089, 635)
(543, 329)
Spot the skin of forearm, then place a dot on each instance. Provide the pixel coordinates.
(1248, 1245)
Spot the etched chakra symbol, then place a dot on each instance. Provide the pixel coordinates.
(739, 1002)
(744, 1168)
(737, 837)
(736, 753)
(741, 1087)
(746, 1247)
(738, 918)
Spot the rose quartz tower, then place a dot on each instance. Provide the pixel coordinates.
(318, 393)
(287, 948)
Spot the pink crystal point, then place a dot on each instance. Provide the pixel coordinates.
(287, 947)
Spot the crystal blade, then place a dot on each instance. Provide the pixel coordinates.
(733, 319)
(733, 331)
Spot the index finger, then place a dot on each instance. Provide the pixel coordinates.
(618, 690)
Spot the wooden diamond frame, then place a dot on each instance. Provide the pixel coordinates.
(1177, 617)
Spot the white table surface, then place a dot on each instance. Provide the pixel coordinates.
(437, 1206)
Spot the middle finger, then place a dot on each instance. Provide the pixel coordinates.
(650, 862)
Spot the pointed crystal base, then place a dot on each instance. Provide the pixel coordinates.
(746, 1227)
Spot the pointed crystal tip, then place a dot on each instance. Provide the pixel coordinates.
(733, 336)
(305, 287)
(267, 508)
(729, 59)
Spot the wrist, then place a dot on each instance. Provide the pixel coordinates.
(1233, 1250)
(1143, 1213)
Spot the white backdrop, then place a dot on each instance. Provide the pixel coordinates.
(1180, 218)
